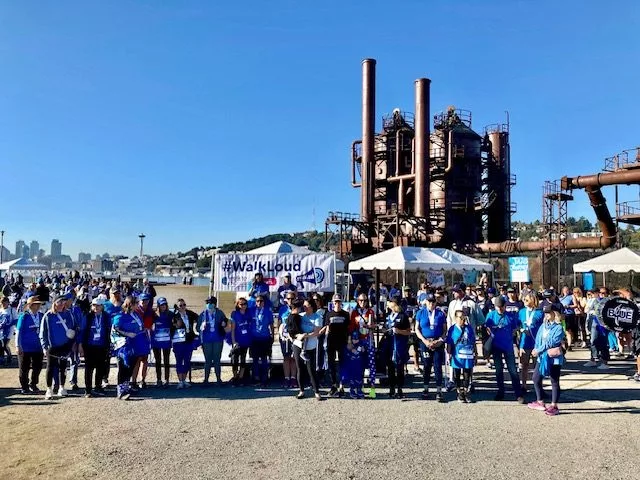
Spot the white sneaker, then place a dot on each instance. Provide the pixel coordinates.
(583, 345)
(603, 366)
(186, 384)
(48, 394)
(105, 384)
(180, 386)
(590, 363)
(62, 392)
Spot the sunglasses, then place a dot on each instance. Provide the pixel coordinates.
(291, 298)
(259, 301)
(181, 305)
(242, 304)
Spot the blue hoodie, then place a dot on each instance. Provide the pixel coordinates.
(52, 329)
(28, 339)
(530, 321)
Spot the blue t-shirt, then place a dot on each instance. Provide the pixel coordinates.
(28, 328)
(502, 327)
(161, 332)
(242, 327)
(262, 320)
(214, 323)
(125, 322)
(530, 321)
(432, 324)
(309, 323)
(463, 348)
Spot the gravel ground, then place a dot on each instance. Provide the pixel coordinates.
(245, 433)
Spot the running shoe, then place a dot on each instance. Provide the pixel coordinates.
(333, 392)
(603, 366)
(425, 394)
(48, 394)
(300, 395)
(360, 394)
(62, 392)
(439, 397)
(539, 406)
(35, 389)
(552, 411)
(590, 364)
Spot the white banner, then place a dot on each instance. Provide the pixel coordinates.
(435, 278)
(234, 272)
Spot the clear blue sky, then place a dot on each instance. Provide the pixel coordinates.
(200, 122)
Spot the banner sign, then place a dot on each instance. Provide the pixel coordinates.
(234, 272)
(470, 277)
(435, 278)
(620, 314)
(519, 269)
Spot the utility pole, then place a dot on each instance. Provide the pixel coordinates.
(141, 237)
(1, 245)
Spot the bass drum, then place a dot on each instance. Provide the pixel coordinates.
(619, 314)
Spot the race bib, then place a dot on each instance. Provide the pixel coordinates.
(179, 336)
(162, 335)
(244, 331)
(465, 352)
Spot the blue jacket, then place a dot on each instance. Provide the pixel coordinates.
(502, 327)
(28, 329)
(214, 325)
(94, 334)
(52, 329)
(423, 322)
(161, 330)
(262, 319)
(462, 349)
(529, 332)
(550, 335)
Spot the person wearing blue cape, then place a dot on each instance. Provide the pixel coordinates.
(461, 344)
(550, 353)
(126, 329)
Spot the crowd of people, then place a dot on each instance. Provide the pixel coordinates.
(62, 319)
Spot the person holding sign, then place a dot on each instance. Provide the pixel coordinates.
(550, 353)
(183, 333)
(461, 344)
(161, 340)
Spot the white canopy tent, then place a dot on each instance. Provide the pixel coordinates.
(623, 260)
(21, 264)
(286, 247)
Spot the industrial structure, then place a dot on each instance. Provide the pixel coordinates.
(436, 182)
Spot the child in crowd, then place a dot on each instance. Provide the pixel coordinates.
(354, 359)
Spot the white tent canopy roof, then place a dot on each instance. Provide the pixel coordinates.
(416, 258)
(22, 264)
(286, 247)
(619, 261)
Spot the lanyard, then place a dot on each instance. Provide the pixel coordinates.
(432, 319)
(35, 319)
(137, 319)
(98, 322)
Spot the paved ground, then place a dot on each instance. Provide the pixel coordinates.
(246, 433)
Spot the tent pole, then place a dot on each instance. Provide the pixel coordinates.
(574, 279)
(404, 277)
(604, 279)
(335, 274)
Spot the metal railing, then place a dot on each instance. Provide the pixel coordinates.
(628, 208)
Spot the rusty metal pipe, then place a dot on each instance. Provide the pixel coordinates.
(368, 136)
(407, 176)
(627, 177)
(421, 202)
(353, 163)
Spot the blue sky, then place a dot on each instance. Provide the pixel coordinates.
(200, 122)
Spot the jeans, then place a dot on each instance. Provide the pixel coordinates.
(74, 363)
(432, 359)
(124, 373)
(261, 351)
(94, 361)
(599, 345)
(555, 383)
(26, 361)
(308, 370)
(57, 361)
(510, 360)
(212, 354)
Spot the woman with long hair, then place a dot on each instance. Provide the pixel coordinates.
(304, 348)
(241, 326)
(363, 320)
(126, 330)
(531, 318)
(183, 336)
(161, 341)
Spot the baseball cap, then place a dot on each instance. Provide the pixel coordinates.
(491, 290)
(144, 296)
(212, 299)
(161, 301)
(336, 298)
(97, 301)
(511, 290)
(459, 287)
(547, 293)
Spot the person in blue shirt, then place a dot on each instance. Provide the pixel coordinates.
(399, 328)
(548, 349)
(78, 319)
(161, 341)
(431, 329)
(94, 346)
(241, 328)
(8, 319)
(530, 318)
(570, 319)
(212, 325)
(500, 327)
(28, 344)
(261, 340)
(183, 338)
(288, 362)
(599, 332)
(258, 287)
(461, 346)
(57, 338)
(285, 288)
(126, 329)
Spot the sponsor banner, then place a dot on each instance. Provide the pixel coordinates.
(519, 269)
(435, 278)
(234, 272)
(620, 314)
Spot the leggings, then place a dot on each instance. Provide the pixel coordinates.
(465, 373)
(555, 383)
(124, 371)
(57, 361)
(93, 361)
(306, 371)
(332, 351)
(5, 349)
(396, 375)
(212, 354)
(165, 353)
(239, 358)
(432, 359)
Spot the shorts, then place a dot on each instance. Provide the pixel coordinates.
(287, 348)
